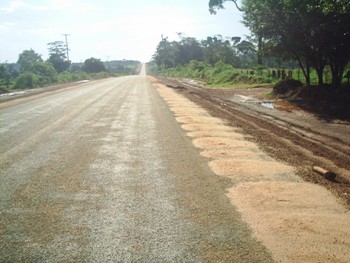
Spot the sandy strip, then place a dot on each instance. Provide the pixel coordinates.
(232, 154)
(217, 142)
(184, 111)
(253, 170)
(298, 222)
(213, 134)
(295, 220)
(206, 127)
(199, 119)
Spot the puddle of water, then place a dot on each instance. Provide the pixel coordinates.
(268, 105)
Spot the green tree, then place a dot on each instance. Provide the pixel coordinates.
(45, 72)
(216, 49)
(167, 53)
(219, 4)
(247, 53)
(336, 37)
(27, 80)
(57, 56)
(27, 58)
(93, 65)
(189, 49)
(313, 32)
(3, 71)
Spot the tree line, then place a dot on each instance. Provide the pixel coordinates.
(315, 33)
(31, 70)
(233, 51)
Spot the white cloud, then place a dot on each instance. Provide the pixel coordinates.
(13, 6)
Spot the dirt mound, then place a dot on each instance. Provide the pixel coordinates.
(286, 85)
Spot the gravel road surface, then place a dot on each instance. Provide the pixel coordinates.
(102, 172)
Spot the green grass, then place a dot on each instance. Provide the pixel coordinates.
(223, 75)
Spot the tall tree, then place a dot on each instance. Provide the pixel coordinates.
(189, 49)
(57, 56)
(313, 32)
(167, 53)
(337, 36)
(216, 49)
(27, 58)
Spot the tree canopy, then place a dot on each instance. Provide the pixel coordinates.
(93, 65)
(27, 58)
(219, 4)
(57, 56)
(210, 50)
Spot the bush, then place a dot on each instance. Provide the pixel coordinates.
(27, 80)
(223, 77)
(65, 77)
(100, 75)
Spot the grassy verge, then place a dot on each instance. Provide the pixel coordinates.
(222, 75)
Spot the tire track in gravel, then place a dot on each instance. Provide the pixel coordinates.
(297, 221)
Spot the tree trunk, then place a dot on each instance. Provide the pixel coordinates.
(305, 68)
(337, 74)
(260, 43)
(320, 75)
(307, 75)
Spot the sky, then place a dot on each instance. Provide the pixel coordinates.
(109, 29)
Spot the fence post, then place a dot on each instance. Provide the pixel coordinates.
(274, 74)
(283, 74)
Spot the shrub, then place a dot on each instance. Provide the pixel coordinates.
(224, 76)
(27, 80)
(65, 77)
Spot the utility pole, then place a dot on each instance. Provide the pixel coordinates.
(67, 49)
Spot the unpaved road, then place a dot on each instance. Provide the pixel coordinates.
(103, 172)
(296, 219)
(287, 133)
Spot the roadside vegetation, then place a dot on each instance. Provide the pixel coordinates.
(31, 71)
(307, 41)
